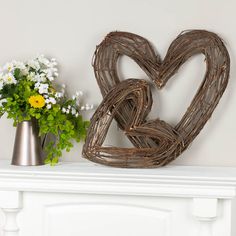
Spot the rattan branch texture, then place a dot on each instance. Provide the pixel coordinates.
(156, 143)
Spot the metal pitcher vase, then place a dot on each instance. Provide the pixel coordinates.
(27, 148)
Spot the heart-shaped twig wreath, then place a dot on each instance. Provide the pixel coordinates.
(156, 143)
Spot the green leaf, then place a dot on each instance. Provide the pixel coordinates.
(17, 73)
(54, 161)
(37, 116)
(50, 117)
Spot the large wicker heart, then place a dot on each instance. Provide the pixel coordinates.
(129, 102)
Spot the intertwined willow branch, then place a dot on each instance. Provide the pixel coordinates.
(156, 143)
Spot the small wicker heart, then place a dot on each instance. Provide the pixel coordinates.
(156, 143)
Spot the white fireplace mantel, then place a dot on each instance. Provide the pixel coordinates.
(87, 199)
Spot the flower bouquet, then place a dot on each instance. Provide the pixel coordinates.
(28, 91)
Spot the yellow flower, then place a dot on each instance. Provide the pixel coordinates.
(37, 101)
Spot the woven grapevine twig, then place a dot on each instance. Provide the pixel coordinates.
(156, 143)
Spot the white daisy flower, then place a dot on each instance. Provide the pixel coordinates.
(52, 100)
(38, 77)
(18, 64)
(37, 85)
(9, 66)
(53, 63)
(24, 71)
(9, 79)
(43, 78)
(73, 111)
(58, 95)
(49, 106)
(34, 64)
(51, 78)
(43, 88)
(31, 76)
(63, 110)
(42, 59)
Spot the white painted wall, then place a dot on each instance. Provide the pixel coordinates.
(70, 30)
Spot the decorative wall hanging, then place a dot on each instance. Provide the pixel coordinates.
(156, 143)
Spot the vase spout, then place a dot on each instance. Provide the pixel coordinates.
(27, 148)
